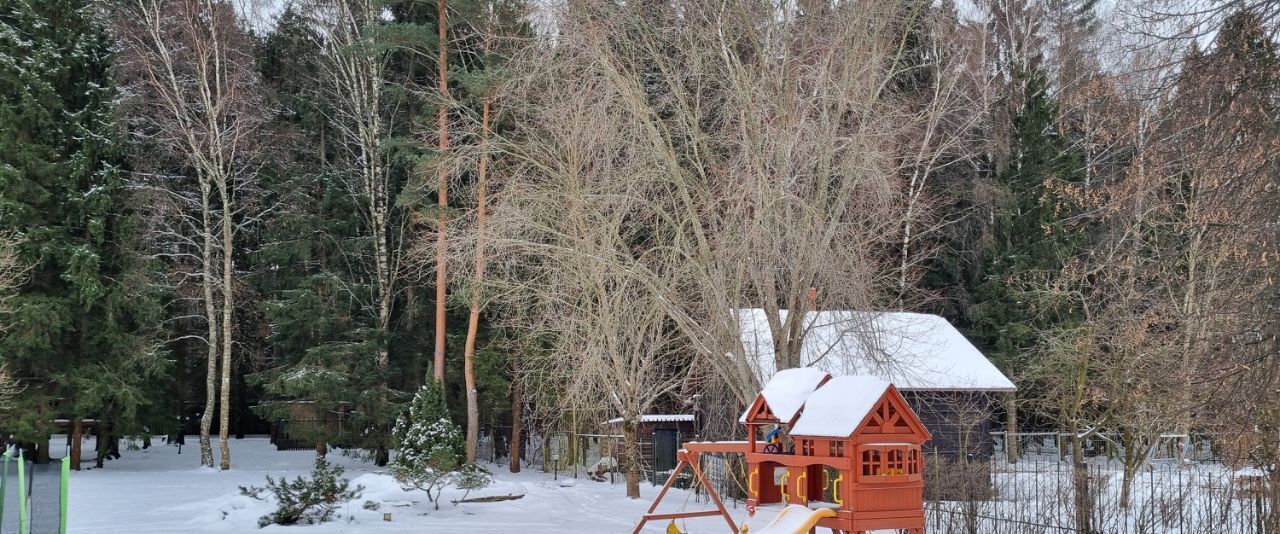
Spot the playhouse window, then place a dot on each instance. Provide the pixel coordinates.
(913, 462)
(806, 447)
(871, 462)
(895, 462)
(836, 449)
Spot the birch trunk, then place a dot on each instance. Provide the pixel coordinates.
(228, 307)
(211, 317)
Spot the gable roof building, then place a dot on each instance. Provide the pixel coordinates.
(947, 381)
(914, 351)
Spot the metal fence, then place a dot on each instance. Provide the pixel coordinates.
(1181, 488)
(1041, 494)
(577, 455)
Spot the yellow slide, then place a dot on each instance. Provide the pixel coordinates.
(794, 519)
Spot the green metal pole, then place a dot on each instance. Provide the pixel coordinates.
(22, 494)
(63, 483)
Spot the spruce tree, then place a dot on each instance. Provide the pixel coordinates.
(320, 333)
(82, 333)
(1031, 235)
(428, 444)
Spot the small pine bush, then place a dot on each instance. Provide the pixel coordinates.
(472, 477)
(306, 501)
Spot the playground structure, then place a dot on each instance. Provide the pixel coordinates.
(34, 499)
(849, 445)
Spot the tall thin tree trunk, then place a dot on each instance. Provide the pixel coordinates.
(211, 317)
(442, 192)
(473, 321)
(228, 307)
(103, 438)
(517, 410)
(1079, 470)
(1011, 443)
(77, 439)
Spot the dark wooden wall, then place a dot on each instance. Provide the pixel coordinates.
(960, 421)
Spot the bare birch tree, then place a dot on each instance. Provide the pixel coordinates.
(199, 95)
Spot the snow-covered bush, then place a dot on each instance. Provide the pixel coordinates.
(304, 500)
(428, 445)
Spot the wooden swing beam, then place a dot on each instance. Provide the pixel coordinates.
(688, 457)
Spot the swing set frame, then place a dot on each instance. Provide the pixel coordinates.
(689, 456)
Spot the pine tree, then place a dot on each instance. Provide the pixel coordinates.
(82, 340)
(428, 444)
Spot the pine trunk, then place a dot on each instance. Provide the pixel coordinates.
(211, 317)
(442, 192)
(228, 303)
(473, 321)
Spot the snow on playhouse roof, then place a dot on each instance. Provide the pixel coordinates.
(912, 350)
(837, 408)
(786, 391)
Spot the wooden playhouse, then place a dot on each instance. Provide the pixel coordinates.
(849, 444)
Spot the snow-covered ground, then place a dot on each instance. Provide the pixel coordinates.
(158, 490)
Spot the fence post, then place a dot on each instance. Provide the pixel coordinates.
(64, 480)
(4, 481)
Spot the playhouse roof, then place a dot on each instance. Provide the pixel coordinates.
(839, 406)
(914, 351)
(786, 391)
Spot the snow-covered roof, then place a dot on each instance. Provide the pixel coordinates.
(656, 418)
(786, 390)
(913, 351)
(839, 406)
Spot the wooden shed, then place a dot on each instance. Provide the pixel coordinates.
(660, 436)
